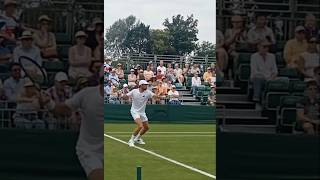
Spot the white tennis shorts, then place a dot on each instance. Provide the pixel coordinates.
(135, 115)
(90, 160)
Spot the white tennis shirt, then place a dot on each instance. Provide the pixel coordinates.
(139, 100)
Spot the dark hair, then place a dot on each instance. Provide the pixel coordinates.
(13, 64)
(312, 83)
(260, 15)
(317, 69)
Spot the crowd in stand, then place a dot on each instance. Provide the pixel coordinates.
(19, 93)
(300, 53)
(164, 80)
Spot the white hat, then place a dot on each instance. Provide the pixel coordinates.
(26, 35)
(125, 85)
(61, 76)
(173, 86)
(143, 82)
(44, 18)
(81, 34)
(299, 28)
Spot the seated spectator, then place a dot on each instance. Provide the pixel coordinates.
(208, 75)
(170, 74)
(316, 72)
(260, 32)
(5, 54)
(98, 53)
(212, 96)
(123, 91)
(178, 74)
(27, 49)
(169, 68)
(263, 68)
(235, 37)
(195, 69)
(310, 60)
(159, 75)
(107, 88)
(60, 92)
(94, 33)
(95, 67)
(148, 73)
(114, 96)
(132, 79)
(11, 26)
(28, 105)
(119, 71)
(113, 77)
(222, 55)
(2, 94)
(294, 47)
(141, 75)
(308, 110)
(310, 25)
(45, 40)
(162, 92)
(156, 99)
(186, 70)
(162, 68)
(174, 96)
(79, 57)
(196, 82)
(107, 66)
(14, 84)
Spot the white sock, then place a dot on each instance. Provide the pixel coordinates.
(132, 137)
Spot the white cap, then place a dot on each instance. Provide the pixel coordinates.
(299, 28)
(173, 86)
(125, 85)
(61, 76)
(143, 82)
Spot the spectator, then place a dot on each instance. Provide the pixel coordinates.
(316, 72)
(27, 49)
(212, 96)
(107, 88)
(170, 74)
(14, 84)
(45, 40)
(174, 96)
(310, 25)
(222, 56)
(308, 110)
(169, 68)
(132, 79)
(235, 37)
(95, 67)
(295, 47)
(11, 26)
(148, 73)
(162, 92)
(113, 77)
(186, 70)
(119, 71)
(2, 94)
(207, 75)
(178, 74)
(260, 32)
(107, 66)
(98, 52)
(94, 33)
(141, 75)
(196, 82)
(114, 96)
(79, 57)
(263, 68)
(162, 68)
(195, 69)
(28, 104)
(310, 59)
(5, 54)
(123, 91)
(159, 75)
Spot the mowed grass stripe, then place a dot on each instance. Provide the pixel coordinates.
(165, 158)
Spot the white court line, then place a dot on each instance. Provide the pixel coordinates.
(165, 158)
(155, 132)
(194, 135)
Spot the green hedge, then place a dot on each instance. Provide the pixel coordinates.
(163, 113)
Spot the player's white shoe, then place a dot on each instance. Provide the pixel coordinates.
(140, 141)
(131, 143)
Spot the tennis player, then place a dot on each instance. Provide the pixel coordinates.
(140, 97)
(90, 102)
